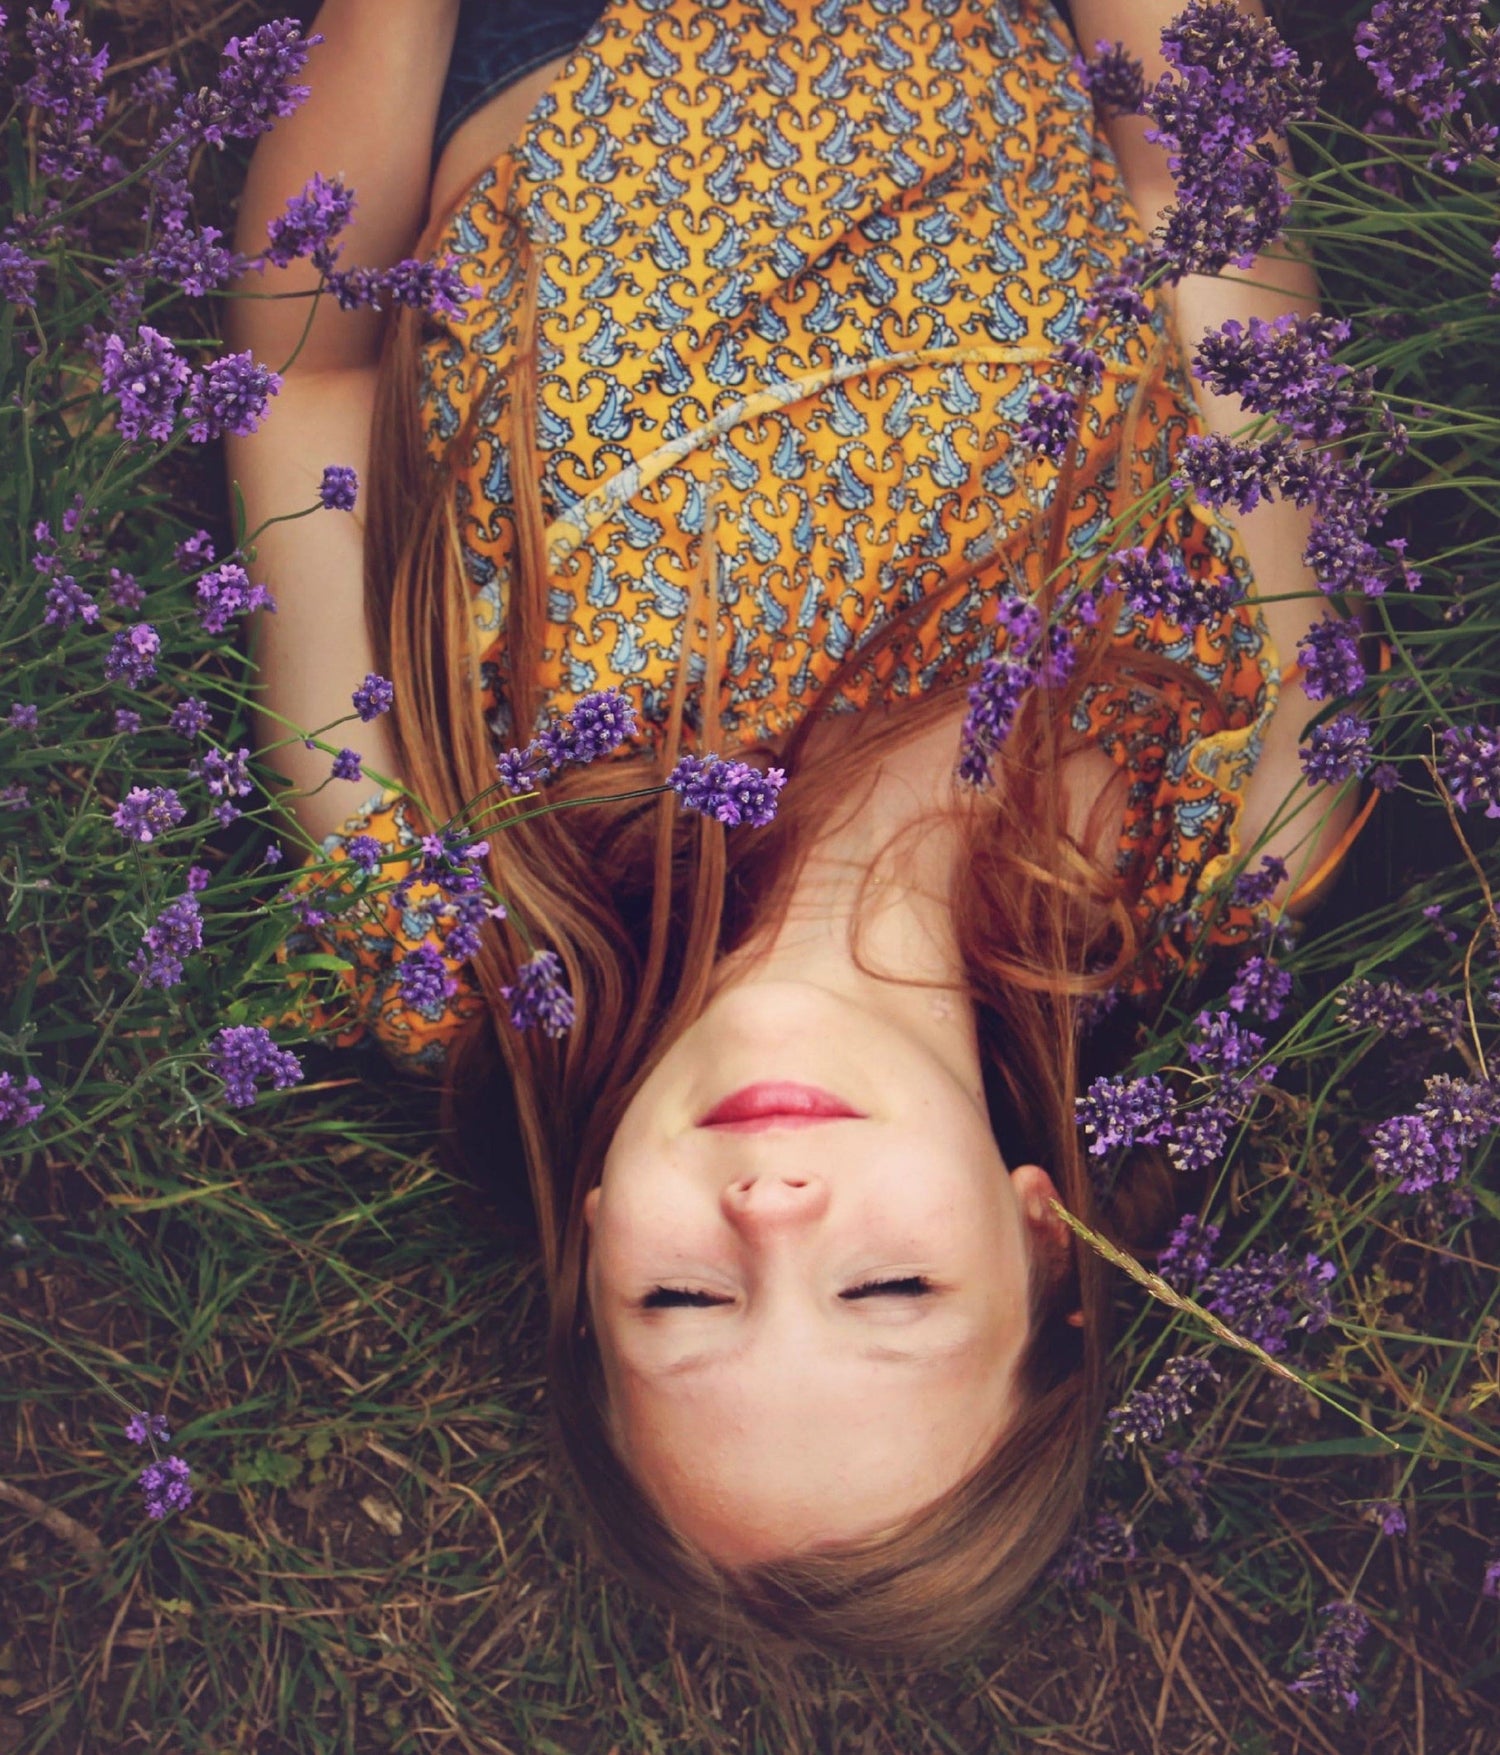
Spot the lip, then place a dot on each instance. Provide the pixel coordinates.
(777, 1103)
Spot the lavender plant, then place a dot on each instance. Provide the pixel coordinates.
(1328, 1102)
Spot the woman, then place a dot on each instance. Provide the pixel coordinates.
(762, 292)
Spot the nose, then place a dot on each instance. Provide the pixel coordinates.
(761, 1203)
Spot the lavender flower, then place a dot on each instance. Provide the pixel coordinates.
(1469, 766)
(365, 851)
(451, 863)
(156, 85)
(1261, 987)
(597, 724)
(1337, 750)
(256, 85)
(1284, 368)
(68, 602)
(539, 996)
(1221, 1046)
(1188, 1256)
(1491, 1586)
(245, 1053)
(1117, 1111)
(1154, 585)
(191, 257)
(1116, 300)
(730, 792)
(1261, 1296)
(224, 773)
(995, 698)
(1115, 80)
(18, 273)
(15, 1109)
(195, 552)
(144, 814)
(374, 696)
(1402, 43)
(1395, 1010)
(22, 716)
(127, 721)
(1051, 420)
(1389, 1515)
(310, 221)
(148, 377)
(346, 765)
(66, 89)
(176, 932)
(1467, 141)
(125, 589)
(190, 718)
(1201, 1134)
(339, 488)
(469, 915)
(1145, 1415)
(165, 1485)
(424, 981)
(230, 395)
(1331, 664)
(1084, 364)
(1221, 472)
(145, 1428)
(226, 592)
(1251, 888)
(132, 655)
(1089, 1551)
(1329, 1676)
(1426, 1148)
(1236, 81)
(425, 286)
(1404, 1148)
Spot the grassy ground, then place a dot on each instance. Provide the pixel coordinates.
(374, 1561)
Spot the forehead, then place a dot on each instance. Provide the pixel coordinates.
(747, 1477)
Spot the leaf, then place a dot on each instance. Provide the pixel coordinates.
(382, 1512)
(273, 1467)
(143, 1203)
(318, 960)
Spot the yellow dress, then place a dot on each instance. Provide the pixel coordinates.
(819, 259)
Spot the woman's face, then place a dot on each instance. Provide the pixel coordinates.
(791, 1399)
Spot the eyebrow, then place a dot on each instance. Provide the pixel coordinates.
(897, 1355)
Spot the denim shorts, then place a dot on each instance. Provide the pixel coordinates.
(501, 41)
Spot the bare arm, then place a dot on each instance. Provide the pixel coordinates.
(1274, 534)
(376, 82)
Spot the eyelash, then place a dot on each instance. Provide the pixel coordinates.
(670, 1297)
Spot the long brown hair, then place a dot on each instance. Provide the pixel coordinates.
(640, 898)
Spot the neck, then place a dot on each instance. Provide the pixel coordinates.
(907, 930)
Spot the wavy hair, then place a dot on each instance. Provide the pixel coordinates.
(640, 899)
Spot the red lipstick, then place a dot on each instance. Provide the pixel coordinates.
(760, 1103)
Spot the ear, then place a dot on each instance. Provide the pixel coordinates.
(1035, 1191)
(591, 1205)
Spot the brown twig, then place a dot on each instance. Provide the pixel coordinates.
(77, 1535)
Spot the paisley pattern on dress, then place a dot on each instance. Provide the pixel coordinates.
(808, 267)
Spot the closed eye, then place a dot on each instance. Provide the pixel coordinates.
(678, 1297)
